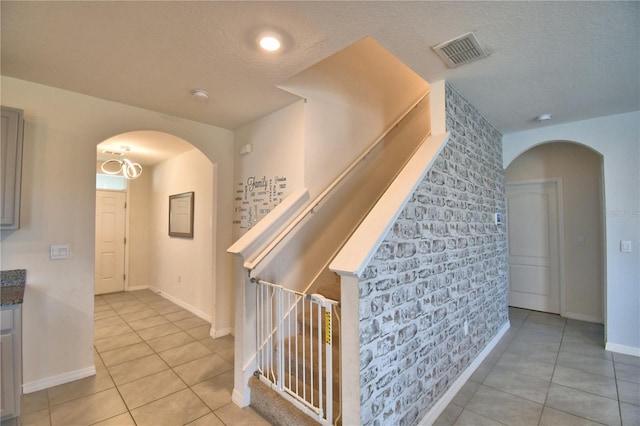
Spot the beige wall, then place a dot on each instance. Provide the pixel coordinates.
(616, 138)
(352, 97)
(182, 268)
(580, 170)
(138, 243)
(278, 150)
(62, 130)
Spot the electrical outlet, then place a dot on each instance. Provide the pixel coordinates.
(625, 246)
(59, 251)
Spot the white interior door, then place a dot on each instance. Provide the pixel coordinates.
(533, 222)
(110, 234)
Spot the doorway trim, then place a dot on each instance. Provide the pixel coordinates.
(557, 182)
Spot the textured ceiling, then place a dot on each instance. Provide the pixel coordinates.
(576, 60)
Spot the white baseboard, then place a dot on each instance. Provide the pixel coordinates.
(195, 311)
(137, 287)
(622, 349)
(219, 333)
(60, 379)
(238, 398)
(448, 396)
(582, 317)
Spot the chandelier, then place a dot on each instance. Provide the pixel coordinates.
(128, 168)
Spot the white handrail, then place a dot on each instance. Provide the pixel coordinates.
(251, 264)
(364, 241)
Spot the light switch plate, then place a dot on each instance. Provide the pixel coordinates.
(625, 246)
(59, 251)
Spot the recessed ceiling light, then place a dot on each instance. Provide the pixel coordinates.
(270, 42)
(200, 95)
(543, 117)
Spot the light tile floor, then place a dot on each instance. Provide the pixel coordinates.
(156, 365)
(548, 370)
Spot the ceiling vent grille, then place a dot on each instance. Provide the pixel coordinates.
(461, 50)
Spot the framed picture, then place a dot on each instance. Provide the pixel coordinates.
(181, 215)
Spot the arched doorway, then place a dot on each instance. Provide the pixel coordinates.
(181, 269)
(555, 230)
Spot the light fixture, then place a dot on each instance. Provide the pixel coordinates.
(129, 169)
(543, 117)
(270, 41)
(200, 95)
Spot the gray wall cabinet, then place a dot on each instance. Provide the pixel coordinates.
(11, 167)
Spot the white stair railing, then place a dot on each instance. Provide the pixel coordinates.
(295, 347)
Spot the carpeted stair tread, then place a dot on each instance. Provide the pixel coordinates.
(314, 399)
(275, 409)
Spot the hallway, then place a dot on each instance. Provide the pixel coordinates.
(552, 371)
(156, 365)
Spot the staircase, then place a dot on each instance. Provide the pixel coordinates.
(302, 370)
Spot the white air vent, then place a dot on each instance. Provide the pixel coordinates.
(461, 50)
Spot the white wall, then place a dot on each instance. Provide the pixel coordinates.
(182, 268)
(278, 150)
(352, 97)
(62, 130)
(617, 138)
(580, 169)
(138, 232)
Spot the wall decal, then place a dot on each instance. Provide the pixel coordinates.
(255, 198)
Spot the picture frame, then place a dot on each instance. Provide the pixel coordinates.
(181, 208)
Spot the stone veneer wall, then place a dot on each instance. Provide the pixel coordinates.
(443, 263)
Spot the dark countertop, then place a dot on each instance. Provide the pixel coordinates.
(12, 285)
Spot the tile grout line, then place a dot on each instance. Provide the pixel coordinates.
(491, 387)
(571, 387)
(154, 352)
(187, 386)
(615, 378)
(111, 377)
(555, 364)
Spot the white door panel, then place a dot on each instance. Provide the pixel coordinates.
(527, 279)
(110, 232)
(533, 245)
(108, 267)
(529, 212)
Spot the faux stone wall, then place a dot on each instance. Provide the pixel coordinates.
(442, 264)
